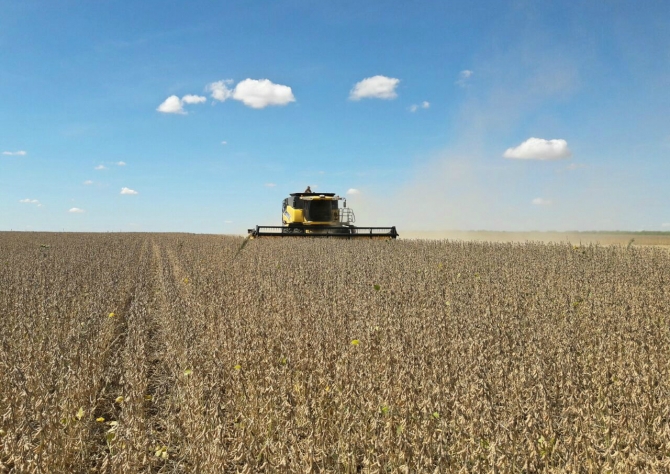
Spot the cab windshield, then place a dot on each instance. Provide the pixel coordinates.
(319, 211)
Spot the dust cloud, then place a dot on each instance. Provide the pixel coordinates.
(465, 196)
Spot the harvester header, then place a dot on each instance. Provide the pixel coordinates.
(311, 214)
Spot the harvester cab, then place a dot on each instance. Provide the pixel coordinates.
(311, 214)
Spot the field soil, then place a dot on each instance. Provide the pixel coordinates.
(173, 353)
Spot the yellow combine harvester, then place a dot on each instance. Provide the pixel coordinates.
(311, 214)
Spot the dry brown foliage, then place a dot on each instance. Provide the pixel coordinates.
(331, 356)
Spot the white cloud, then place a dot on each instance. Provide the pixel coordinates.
(120, 163)
(220, 90)
(30, 201)
(541, 202)
(175, 105)
(193, 99)
(539, 149)
(463, 77)
(224, 142)
(128, 191)
(377, 87)
(258, 94)
(100, 167)
(76, 210)
(665, 224)
(227, 222)
(171, 105)
(424, 105)
(574, 166)
(88, 182)
(270, 185)
(351, 191)
(254, 93)
(15, 153)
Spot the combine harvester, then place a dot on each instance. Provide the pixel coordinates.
(311, 214)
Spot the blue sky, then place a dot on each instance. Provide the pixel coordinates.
(499, 115)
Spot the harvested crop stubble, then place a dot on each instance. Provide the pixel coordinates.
(170, 353)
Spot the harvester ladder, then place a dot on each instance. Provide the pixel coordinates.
(347, 215)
